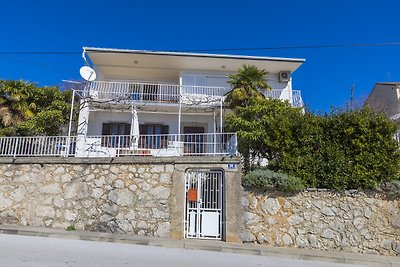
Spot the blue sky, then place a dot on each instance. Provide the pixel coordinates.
(325, 79)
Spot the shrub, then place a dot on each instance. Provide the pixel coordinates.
(340, 150)
(267, 179)
(70, 228)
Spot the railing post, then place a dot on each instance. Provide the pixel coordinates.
(16, 146)
(70, 124)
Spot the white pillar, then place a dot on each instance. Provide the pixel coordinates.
(215, 131)
(70, 124)
(83, 121)
(180, 114)
(220, 116)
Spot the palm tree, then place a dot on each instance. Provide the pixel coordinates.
(248, 83)
(15, 104)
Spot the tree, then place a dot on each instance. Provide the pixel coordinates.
(15, 104)
(249, 82)
(340, 150)
(264, 128)
(26, 109)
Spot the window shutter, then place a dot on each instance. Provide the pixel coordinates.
(142, 129)
(164, 129)
(106, 130)
(127, 130)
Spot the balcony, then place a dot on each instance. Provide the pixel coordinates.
(170, 145)
(123, 92)
(151, 92)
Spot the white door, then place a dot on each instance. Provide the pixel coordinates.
(204, 204)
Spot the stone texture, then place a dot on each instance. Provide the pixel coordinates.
(94, 197)
(271, 205)
(323, 220)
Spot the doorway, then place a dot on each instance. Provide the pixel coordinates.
(204, 205)
(194, 140)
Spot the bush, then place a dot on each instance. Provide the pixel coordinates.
(343, 150)
(267, 179)
(340, 150)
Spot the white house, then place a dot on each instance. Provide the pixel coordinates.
(151, 103)
(166, 103)
(385, 97)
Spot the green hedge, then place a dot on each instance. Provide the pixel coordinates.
(267, 179)
(340, 150)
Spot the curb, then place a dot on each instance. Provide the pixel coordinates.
(217, 246)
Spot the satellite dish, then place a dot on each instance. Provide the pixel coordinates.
(88, 73)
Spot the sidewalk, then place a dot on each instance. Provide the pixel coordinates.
(293, 253)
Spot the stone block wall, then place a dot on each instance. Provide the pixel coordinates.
(323, 220)
(117, 198)
(132, 195)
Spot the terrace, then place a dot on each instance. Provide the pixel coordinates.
(104, 91)
(207, 144)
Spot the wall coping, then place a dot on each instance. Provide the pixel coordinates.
(121, 160)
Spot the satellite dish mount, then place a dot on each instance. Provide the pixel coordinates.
(87, 73)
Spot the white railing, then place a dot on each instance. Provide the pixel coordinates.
(218, 144)
(37, 146)
(205, 90)
(153, 92)
(295, 99)
(171, 93)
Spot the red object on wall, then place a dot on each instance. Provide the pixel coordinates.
(192, 194)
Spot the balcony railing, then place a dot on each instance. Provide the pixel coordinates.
(218, 144)
(294, 98)
(149, 92)
(171, 93)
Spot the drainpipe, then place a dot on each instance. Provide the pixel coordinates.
(84, 57)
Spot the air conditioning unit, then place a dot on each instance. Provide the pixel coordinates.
(284, 76)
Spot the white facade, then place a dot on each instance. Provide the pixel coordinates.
(385, 97)
(172, 93)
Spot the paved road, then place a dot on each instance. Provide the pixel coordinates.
(18, 251)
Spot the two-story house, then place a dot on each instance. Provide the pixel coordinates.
(146, 103)
(166, 103)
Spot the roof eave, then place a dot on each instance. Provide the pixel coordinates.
(187, 54)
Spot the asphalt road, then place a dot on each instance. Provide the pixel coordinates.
(33, 251)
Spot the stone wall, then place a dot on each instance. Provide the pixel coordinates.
(134, 195)
(323, 220)
(99, 197)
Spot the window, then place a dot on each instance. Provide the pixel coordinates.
(156, 136)
(115, 134)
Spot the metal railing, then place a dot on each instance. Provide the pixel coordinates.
(33, 146)
(218, 144)
(297, 100)
(294, 98)
(152, 92)
(170, 93)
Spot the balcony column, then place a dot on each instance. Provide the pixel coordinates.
(180, 115)
(70, 124)
(215, 131)
(83, 121)
(220, 115)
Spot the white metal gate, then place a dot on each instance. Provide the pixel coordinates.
(204, 204)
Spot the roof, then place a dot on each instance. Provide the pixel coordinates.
(388, 83)
(120, 62)
(187, 54)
